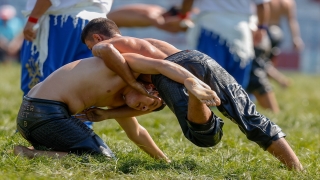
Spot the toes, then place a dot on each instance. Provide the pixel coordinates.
(217, 101)
(209, 102)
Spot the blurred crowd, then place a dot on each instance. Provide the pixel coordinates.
(10, 34)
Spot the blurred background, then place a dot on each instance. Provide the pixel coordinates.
(308, 15)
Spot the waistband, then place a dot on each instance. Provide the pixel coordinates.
(45, 101)
(182, 55)
(41, 109)
(36, 112)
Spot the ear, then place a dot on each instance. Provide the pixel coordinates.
(97, 37)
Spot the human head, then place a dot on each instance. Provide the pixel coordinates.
(102, 28)
(7, 12)
(141, 102)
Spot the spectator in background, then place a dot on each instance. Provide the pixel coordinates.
(222, 31)
(282, 9)
(285, 9)
(259, 84)
(10, 33)
(52, 36)
(262, 66)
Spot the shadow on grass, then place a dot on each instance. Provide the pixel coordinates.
(131, 166)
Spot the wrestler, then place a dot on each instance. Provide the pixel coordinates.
(45, 116)
(104, 38)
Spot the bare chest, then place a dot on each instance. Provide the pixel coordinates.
(115, 100)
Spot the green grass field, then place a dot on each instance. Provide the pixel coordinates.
(234, 157)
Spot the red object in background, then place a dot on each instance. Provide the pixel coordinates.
(288, 60)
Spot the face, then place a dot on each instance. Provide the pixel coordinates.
(91, 43)
(141, 102)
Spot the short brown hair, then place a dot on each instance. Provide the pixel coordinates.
(102, 26)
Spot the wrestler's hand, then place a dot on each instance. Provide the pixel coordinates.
(92, 114)
(206, 96)
(151, 88)
(142, 89)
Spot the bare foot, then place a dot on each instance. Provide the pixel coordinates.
(205, 95)
(32, 153)
(23, 151)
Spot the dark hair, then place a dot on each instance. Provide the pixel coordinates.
(160, 108)
(102, 26)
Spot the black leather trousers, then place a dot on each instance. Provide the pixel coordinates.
(48, 124)
(235, 103)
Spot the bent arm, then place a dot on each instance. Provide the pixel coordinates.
(98, 114)
(175, 72)
(145, 65)
(116, 62)
(140, 136)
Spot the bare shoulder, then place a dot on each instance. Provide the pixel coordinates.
(126, 41)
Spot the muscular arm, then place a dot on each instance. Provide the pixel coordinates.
(140, 136)
(97, 114)
(145, 65)
(116, 62)
(39, 9)
(110, 52)
(135, 132)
